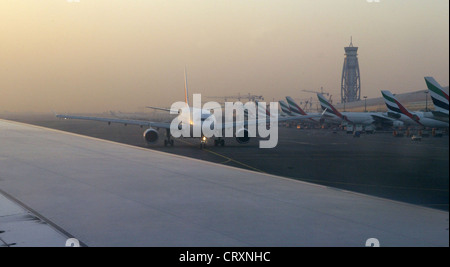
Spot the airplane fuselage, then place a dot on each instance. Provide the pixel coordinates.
(420, 119)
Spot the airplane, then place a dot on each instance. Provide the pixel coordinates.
(151, 135)
(285, 110)
(398, 111)
(357, 118)
(292, 109)
(439, 98)
(297, 110)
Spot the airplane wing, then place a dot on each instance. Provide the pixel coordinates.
(380, 118)
(108, 194)
(163, 109)
(164, 125)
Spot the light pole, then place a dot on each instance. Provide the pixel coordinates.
(365, 103)
(426, 101)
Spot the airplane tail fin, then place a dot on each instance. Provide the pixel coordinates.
(395, 106)
(328, 107)
(294, 107)
(438, 95)
(390, 101)
(285, 107)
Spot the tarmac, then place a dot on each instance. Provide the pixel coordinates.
(379, 164)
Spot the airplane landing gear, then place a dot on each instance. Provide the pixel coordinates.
(169, 140)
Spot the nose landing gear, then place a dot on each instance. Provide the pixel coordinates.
(168, 141)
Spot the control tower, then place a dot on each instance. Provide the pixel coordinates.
(351, 82)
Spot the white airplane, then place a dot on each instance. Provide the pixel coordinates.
(292, 109)
(357, 118)
(285, 110)
(398, 111)
(298, 111)
(151, 135)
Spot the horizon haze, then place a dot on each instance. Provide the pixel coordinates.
(95, 56)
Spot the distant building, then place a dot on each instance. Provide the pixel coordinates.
(350, 82)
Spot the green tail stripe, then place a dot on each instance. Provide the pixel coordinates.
(324, 101)
(388, 98)
(290, 102)
(435, 90)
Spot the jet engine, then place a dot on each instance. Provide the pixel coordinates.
(151, 136)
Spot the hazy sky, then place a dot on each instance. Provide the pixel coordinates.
(100, 55)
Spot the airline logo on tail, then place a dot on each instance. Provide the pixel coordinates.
(438, 95)
(284, 107)
(395, 106)
(330, 108)
(294, 107)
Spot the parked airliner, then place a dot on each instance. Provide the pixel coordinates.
(151, 135)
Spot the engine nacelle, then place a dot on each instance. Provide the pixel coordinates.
(397, 124)
(151, 136)
(244, 139)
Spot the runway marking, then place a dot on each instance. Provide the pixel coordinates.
(235, 161)
(228, 159)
